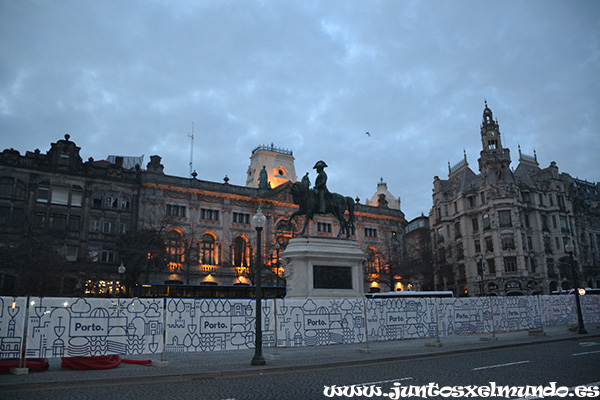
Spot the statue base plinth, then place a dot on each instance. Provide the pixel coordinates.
(323, 268)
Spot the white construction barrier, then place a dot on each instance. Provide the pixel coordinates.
(13, 312)
(81, 327)
(70, 327)
(311, 322)
(198, 325)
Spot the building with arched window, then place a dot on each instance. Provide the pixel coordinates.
(530, 230)
(60, 220)
(215, 221)
(66, 226)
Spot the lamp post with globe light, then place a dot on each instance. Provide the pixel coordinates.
(259, 222)
(277, 261)
(480, 270)
(570, 250)
(121, 271)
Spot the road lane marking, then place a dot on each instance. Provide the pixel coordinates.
(585, 352)
(500, 365)
(407, 378)
(588, 344)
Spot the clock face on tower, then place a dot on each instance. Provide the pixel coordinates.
(492, 133)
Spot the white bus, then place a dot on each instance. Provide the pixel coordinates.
(572, 291)
(409, 294)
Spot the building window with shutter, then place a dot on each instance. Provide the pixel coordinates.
(486, 222)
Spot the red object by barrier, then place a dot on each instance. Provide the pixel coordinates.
(96, 362)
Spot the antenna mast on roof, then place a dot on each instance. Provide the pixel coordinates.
(192, 150)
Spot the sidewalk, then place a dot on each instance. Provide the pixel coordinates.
(184, 366)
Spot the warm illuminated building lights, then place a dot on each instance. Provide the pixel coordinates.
(213, 194)
(173, 266)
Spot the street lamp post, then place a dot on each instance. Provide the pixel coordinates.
(570, 249)
(277, 249)
(259, 222)
(121, 271)
(480, 271)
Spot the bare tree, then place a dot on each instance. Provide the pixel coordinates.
(272, 274)
(422, 259)
(34, 259)
(391, 264)
(141, 251)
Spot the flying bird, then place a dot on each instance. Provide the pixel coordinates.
(368, 134)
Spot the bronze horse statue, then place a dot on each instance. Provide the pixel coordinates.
(336, 204)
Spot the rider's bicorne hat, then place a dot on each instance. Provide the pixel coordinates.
(320, 164)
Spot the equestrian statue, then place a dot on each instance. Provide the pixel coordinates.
(320, 200)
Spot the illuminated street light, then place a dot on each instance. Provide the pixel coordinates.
(480, 271)
(121, 271)
(570, 249)
(259, 222)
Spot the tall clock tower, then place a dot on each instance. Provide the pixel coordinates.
(494, 159)
(278, 163)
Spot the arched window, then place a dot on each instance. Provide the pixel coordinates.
(174, 247)
(373, 261)
(240, 252)
(97, 200)
(125, 202)
(208, 249)
(111, 201)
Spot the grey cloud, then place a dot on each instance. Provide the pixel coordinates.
(130, 78)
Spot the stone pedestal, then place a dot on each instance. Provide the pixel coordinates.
(323, 268)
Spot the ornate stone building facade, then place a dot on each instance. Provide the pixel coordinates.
(81, 212)
(211, 239)
(586, 211)
(383, 195)
(60, 218)
(507, 232)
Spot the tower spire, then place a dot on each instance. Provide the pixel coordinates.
(495, 159)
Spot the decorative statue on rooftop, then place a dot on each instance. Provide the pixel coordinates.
(320, 200)
(263, 179)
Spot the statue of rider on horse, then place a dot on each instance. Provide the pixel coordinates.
(320, 200)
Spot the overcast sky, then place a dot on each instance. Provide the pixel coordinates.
(131, 77)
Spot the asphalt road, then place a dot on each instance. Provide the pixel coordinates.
(569, 364)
